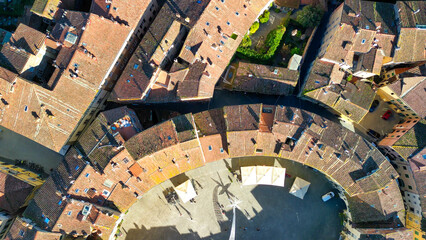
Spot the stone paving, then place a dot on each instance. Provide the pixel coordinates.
(266, 212)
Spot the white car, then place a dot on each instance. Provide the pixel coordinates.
(327, 196)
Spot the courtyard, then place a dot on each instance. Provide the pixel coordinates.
(265, 212)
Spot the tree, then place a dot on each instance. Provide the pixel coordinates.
(254, 28)
(264, 18)
(246, 42)
(309, 16)
(295, 50)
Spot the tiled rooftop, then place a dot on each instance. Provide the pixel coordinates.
(242, 117)
(411, 14)
(21, 230)
(412, 140)
(13, 193)
(264, 79)
(410, 45)
(371, 15)
(50, 116)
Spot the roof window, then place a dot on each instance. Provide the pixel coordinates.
(77, 167)
(87, 174)
(77, 190)
(199, 1)
(26, 108)
(21, 232)
(86, 190)
(60, 202)
(46, 220)
(221, 150)
(217, 9)
(237, 13)
(367, 27)
(207, 23)
(135, 66)
(362, 41)
(69, 213)
(228, 23)
(210, 147)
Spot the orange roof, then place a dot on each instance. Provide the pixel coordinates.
(136, 169)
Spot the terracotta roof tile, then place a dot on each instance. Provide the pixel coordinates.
(21, 230)
(28, 39)
(411, 45)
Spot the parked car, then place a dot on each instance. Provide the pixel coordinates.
(374, 105)
(373, 133)
(387, 115)
(327, 196)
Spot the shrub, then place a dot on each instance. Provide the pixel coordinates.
(271, 44)
(264, 18)
(277, 10)
(298, 34)
(295, 50)
(309, 16)
(246, 42)
(254, 28)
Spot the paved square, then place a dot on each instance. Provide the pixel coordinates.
(266, 212)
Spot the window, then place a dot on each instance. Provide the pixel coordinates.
(60, 202)
(105, 193)
(207, 23)
(168, 137)
(210, 147)
(367, 27)
(46, 220)
(86, 190)
(87, 175)
(125, 160)
(21, 233)
(228, 23)
(237, 13)
(77, 167)
(135, 66)
(199, 1)
(26, 108)
(222, 42)
(217, 9)
(221, 150)
(222, 1)
(69, 213)
(77, 190)
(362, 41)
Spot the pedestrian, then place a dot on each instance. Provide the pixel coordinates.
(258, 229)
(245, 228)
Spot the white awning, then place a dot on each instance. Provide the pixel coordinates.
(263, 175)
(186, 191)
(299, 188)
